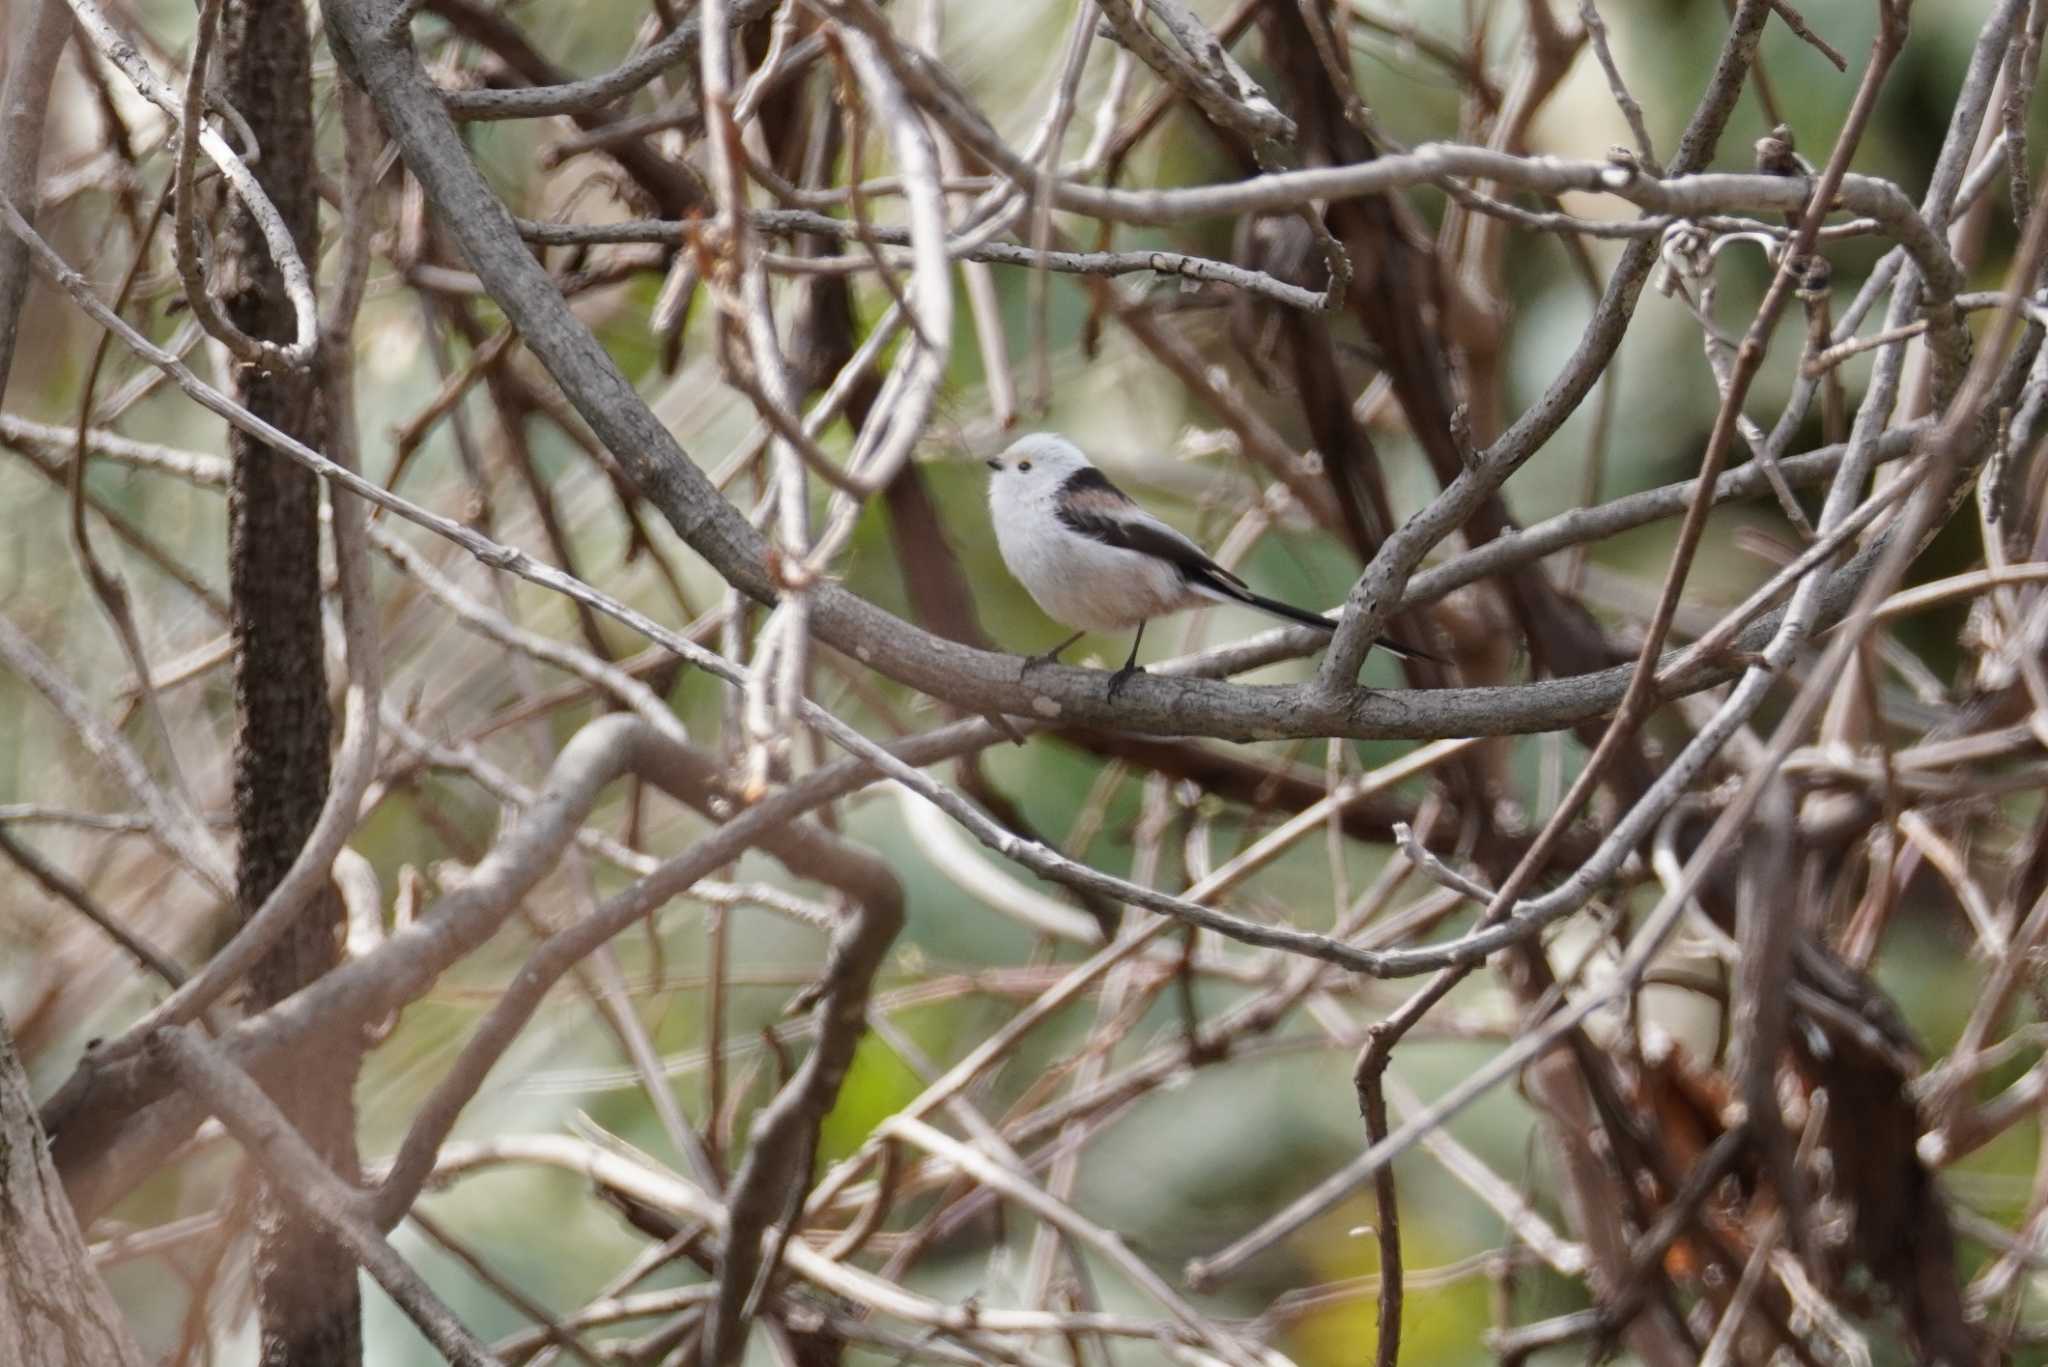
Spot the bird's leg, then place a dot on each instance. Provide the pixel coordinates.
(1123, 676)
(1052, 656)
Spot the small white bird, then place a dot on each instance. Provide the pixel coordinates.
(1093, 559)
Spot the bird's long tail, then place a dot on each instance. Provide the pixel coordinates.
(1291, 613)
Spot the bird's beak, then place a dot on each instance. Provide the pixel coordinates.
(995, 465)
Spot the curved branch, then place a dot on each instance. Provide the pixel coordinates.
(968, 678)
(284, 253)
(976, 680)
(675, 48)
(298, 1174)
(173, 824)
(662, 232)
(355, 766)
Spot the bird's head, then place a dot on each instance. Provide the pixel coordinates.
(1039, 463)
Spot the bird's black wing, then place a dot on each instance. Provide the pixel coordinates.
(1093, 507)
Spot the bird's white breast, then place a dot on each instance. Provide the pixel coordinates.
(1078, 580)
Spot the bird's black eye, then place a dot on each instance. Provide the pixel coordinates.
(1023, 465)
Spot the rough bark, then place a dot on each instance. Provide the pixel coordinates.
(56, 1310)
(306, 1293)
(39, 31)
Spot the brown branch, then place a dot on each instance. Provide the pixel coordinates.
(669, 183)
(35, 41)
(301, 1178)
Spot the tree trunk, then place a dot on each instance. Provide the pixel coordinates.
(55, 1310)
(306, 1292)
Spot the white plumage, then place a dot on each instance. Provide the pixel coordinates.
(1094, 560)
(1080, 580)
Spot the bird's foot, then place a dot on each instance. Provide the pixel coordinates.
(1048, 657)
(1122, 677)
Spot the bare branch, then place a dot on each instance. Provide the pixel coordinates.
(298, 1173)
